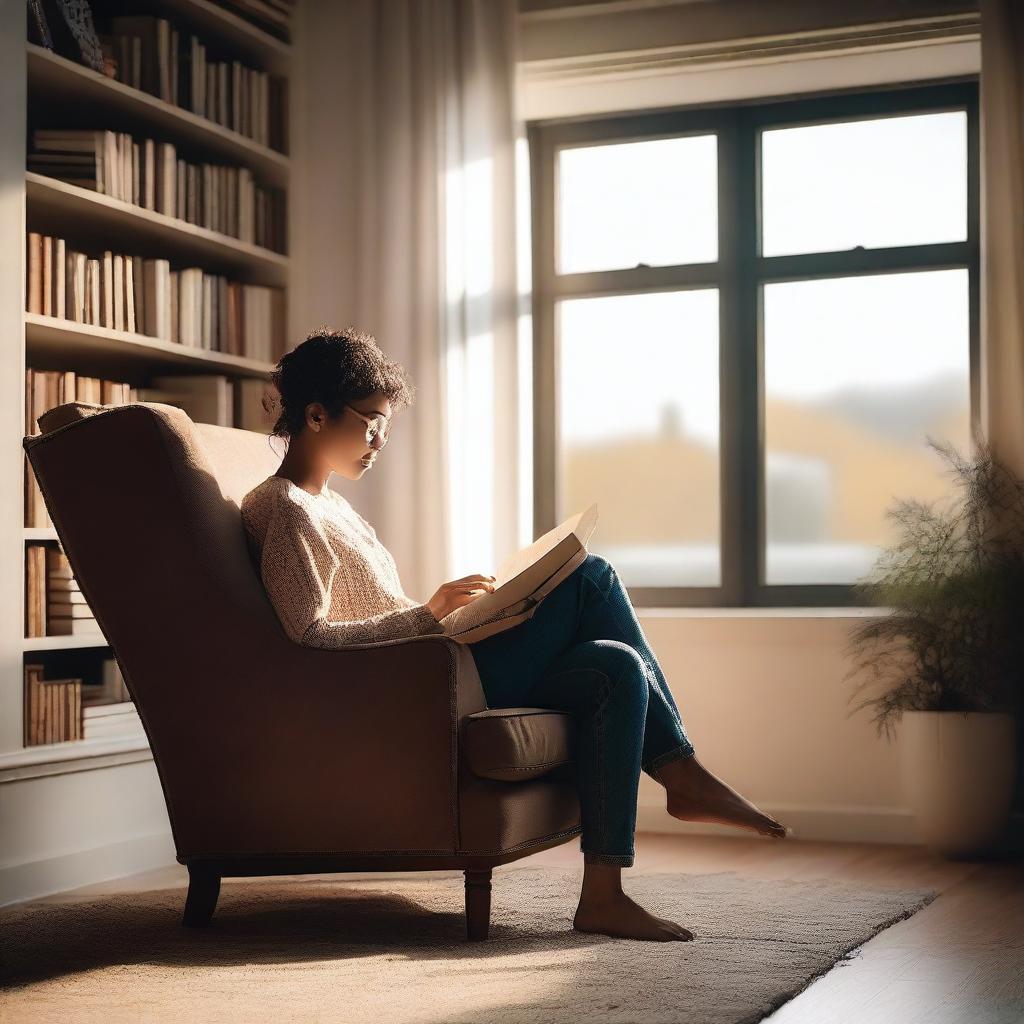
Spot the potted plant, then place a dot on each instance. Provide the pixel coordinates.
(947, 658)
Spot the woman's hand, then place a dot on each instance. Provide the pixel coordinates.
(459, 592)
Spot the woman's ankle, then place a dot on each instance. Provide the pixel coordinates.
(602, 883)
(677, 772)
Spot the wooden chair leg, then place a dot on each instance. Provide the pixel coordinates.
(203, 890)
(478, 904)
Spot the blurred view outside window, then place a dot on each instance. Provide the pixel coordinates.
(859, 371)
(639, 394)
(852, 367)
(664, 211)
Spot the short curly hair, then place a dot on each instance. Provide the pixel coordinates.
(334, 367)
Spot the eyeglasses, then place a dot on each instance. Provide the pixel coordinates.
(377, 428)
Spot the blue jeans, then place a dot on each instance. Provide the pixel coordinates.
(583, 652)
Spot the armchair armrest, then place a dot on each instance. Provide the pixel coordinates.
(352, 750)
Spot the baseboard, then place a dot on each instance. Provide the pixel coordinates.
(20, 882)
(849, 824)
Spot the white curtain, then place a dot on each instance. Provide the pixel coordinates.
(406, 225)
(1002, 255)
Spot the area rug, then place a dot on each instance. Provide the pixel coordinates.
(393, 950)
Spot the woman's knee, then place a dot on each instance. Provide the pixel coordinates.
(599, 571)
(624, 665)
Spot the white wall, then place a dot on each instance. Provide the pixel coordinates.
(62, 831)
(763, 701)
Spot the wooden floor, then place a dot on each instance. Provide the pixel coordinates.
(960, 960)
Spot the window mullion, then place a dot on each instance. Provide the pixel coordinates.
(748, 365)
(730, 358)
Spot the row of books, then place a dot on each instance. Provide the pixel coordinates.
(56, 710)
(133, 293)
(151, 175)
(46, 389)
(206, 398)
(54, 604)
(151, 54)
(213, 398)
(53, 708)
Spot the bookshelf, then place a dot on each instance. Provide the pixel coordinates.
(60, 80)
(55, 92)
(55, 203)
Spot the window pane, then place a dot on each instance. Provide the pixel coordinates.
(858, 371)
(638, 431)
(650, 202)
(881, 182)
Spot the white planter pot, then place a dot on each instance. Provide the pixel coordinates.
(958, 776)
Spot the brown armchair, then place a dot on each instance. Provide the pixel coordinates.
(276, 758)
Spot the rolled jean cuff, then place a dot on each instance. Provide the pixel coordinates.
(675, 754)
(624, 860)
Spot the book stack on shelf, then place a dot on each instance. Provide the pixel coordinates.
(156, 268)
(54, 603)
(111, 721)
(67, 611)
(94, 707)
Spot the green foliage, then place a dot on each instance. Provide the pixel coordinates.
(953, 581)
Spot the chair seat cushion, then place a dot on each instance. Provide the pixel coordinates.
(515, 744)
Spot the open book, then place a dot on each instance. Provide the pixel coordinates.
(523, 580)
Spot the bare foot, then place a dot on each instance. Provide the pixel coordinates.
(696, 794)
(619, 916)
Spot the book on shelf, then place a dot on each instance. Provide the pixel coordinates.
(150, 175)
(524, 579)
(35, 589)
(186, 306)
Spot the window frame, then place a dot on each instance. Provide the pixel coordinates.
(738, 274)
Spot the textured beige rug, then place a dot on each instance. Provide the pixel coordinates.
(393, 950)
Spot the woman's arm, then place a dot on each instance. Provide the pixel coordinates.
(297, 566)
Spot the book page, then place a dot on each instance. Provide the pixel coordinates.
(526, 570)
(581, 524)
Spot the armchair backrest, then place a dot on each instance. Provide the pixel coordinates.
(146, 507)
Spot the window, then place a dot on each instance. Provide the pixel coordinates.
(748, 322)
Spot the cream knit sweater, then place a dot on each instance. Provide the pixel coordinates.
(329, 578)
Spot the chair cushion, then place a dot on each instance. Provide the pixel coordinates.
(515, 744)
